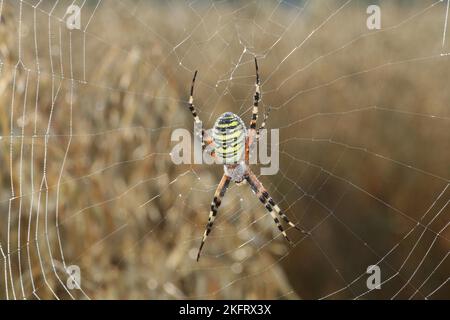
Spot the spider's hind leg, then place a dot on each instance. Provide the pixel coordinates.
(270, 205)
(282, 214)
(215, 204)
(258, 189)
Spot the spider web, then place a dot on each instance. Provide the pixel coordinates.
(87, 179)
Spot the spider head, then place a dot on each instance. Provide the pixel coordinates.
(229, 135)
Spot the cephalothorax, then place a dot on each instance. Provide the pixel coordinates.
(231, 143)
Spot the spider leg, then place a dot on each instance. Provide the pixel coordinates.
(256, 99)
(269, 203)
(215, 204)
(259, 190)
(209, 142)
(282, 214)
(191, 100)
(263, 125)
(202, 134)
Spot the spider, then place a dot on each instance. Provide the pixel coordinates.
(230, 143)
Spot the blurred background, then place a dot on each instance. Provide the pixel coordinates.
(87, 181)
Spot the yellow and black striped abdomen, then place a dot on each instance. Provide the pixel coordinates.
(229, 137)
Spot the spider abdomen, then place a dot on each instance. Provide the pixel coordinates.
(229, 138)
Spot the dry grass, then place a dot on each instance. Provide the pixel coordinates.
(106, 151)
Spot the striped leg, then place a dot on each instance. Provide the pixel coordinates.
(263, 125)
(215, 204)
(191, 100)
(281, 213)
(202, 135)
(267, 200)
(259, 190)
(256, 99)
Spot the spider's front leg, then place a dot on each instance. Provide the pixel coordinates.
(253, 132)
(206, 140)
(256, 98)
(270, 205)
(215, 204)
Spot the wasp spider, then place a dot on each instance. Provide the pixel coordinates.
(230, 143)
